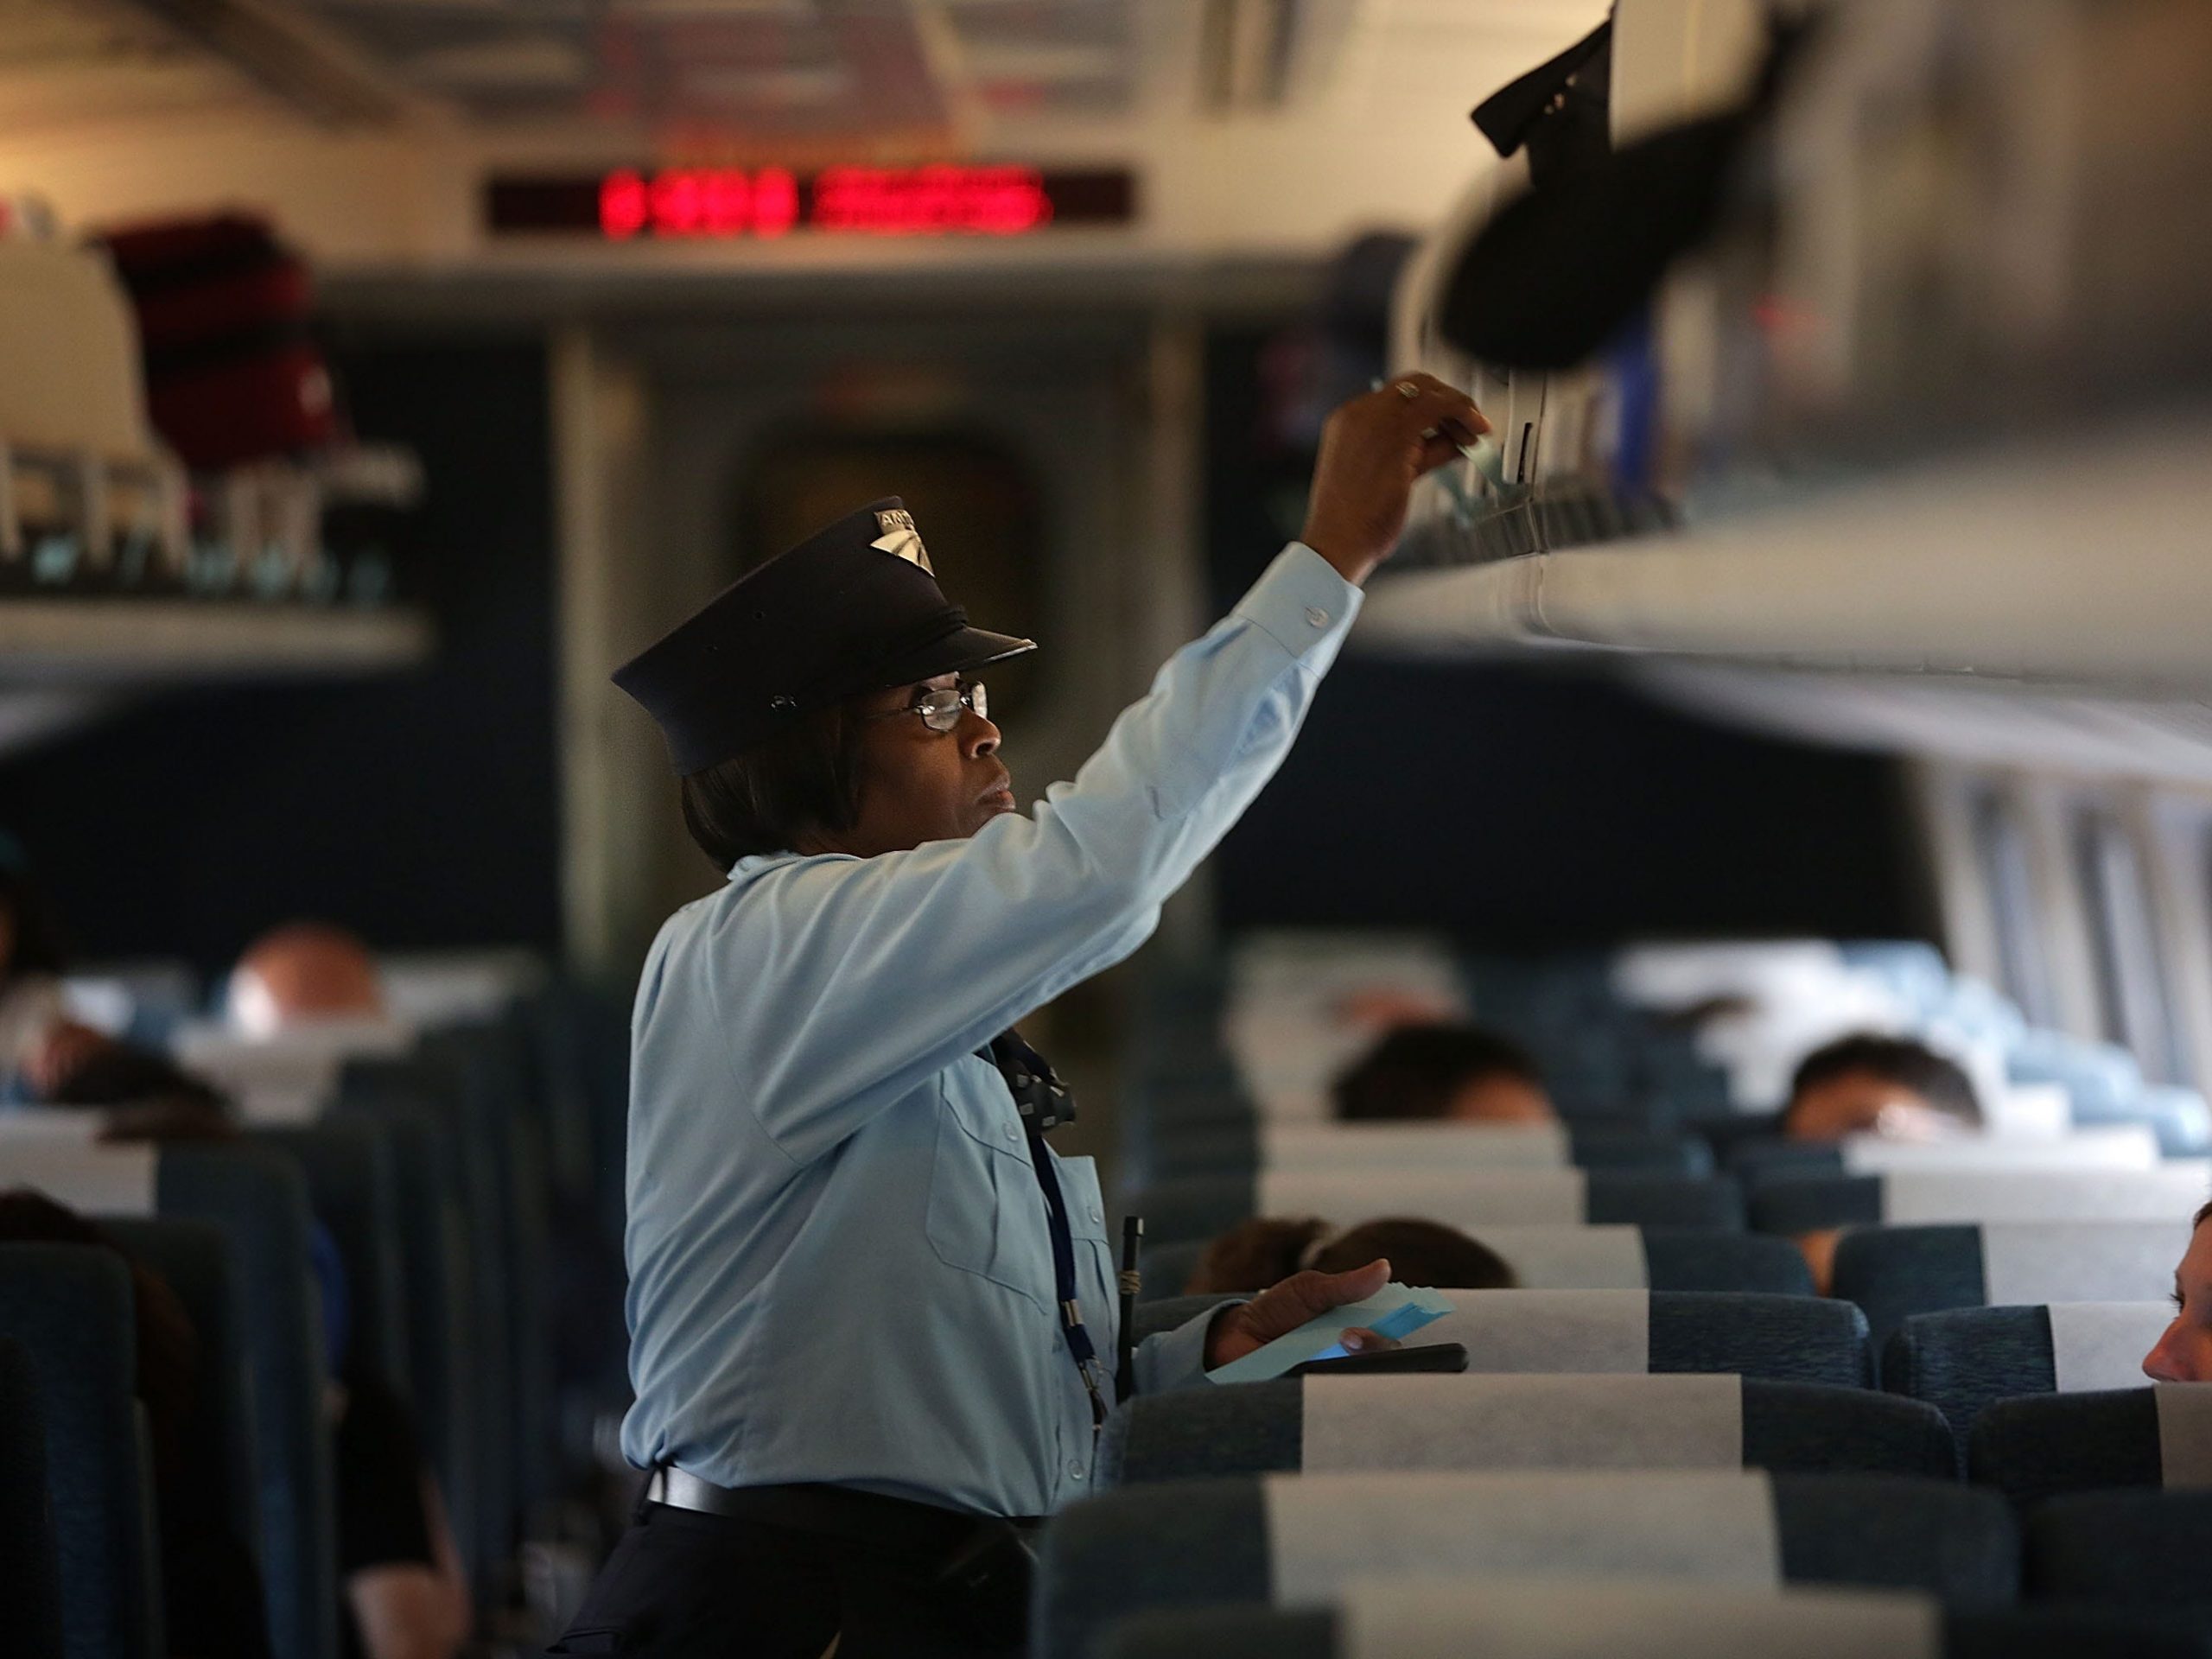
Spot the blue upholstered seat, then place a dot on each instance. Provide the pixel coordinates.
(199, 1262)
(68, 1309)
(1781, 1338)
(30, 1575)
(1961, 1360)
(1260, 1429)
(1676, 1258)
(1199, 1207)
(2142, 1552)
(1257, 1632)
(1895, 1273)
(2042, 1445)
(1186, 1544)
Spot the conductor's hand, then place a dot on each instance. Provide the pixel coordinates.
(1373, 450)
(1282, 1308)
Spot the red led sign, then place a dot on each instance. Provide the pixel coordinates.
(732, 203)
(871, 200)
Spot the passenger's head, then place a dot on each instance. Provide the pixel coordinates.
(2184, 1354)
(1444, 1071)
(873, 775)
(1265, 1252)
(304, 971)
(1890, 1086)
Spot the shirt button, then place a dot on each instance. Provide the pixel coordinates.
(1095, 1215)
(1316, 616)
(1075, 1472)
(1012, 1133)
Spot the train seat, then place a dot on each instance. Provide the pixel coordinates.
(1611, 1257)
(1962, 1359)
(1199, 1207)
(30, 1577)
(68, 1308)
(1792, 1203)
(1296, 1541)
(1895, 1273)
(1630, 1332)
(1317, 1425)
(1411, 1618)
(259, 1197)
(2138, 1551)
(2041, 1445)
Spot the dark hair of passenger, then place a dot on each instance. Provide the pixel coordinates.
(2202, 1215)
(1909, 1065)
(799, 782)
(36, 946)
(1263, 1252)
(1414, 1072)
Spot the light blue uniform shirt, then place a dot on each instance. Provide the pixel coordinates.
(839, 1264)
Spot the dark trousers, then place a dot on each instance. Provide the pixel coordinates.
(685, 1586)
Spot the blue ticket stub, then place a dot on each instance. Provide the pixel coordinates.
(1396, 1311)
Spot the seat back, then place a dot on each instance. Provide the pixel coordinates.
(259, 1198)
(1258, 1633)
(198, 1261)
(1587, 1258)
(2140, 1551)
(1295, 1541)
(1963, 1359)
(352, 1188)
(1895, 1273)
(1226, 1145)
(2041, 1445)
(1780, 1338)
(1319, 1425)
(435, 1270)
(1469, 1199)
(433, 1085)
(1792, 1203)
(30, 1576)
(68, 1307)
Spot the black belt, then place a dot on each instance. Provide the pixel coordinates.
(981, 1565)
(874, 1519)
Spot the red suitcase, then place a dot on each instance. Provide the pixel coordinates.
(232, 373)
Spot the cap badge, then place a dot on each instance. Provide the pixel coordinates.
(900, 539)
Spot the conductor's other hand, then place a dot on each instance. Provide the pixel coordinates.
(1373, 451)
(1281, 1309)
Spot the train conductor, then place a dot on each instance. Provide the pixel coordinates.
(872, 1313)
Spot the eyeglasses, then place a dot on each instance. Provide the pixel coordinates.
(940, 710)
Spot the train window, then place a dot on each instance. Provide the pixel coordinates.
(976, 502)
(2123, 940)
(2001, 848)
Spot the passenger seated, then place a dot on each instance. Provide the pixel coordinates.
(303, 972)
(404, 1586)
(1888, 1086)
(47, 1056)
(2184, 1354)
(1891, 1087)
(212, 1603)
(1443, 1071)
(1265, 1251)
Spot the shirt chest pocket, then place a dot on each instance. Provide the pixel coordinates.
(986, 1211)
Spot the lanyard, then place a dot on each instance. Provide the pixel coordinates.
(1043, 1100)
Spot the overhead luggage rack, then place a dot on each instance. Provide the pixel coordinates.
(2073, 563)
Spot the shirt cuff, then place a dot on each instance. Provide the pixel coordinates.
(1301, 603)
(1177, 1358)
